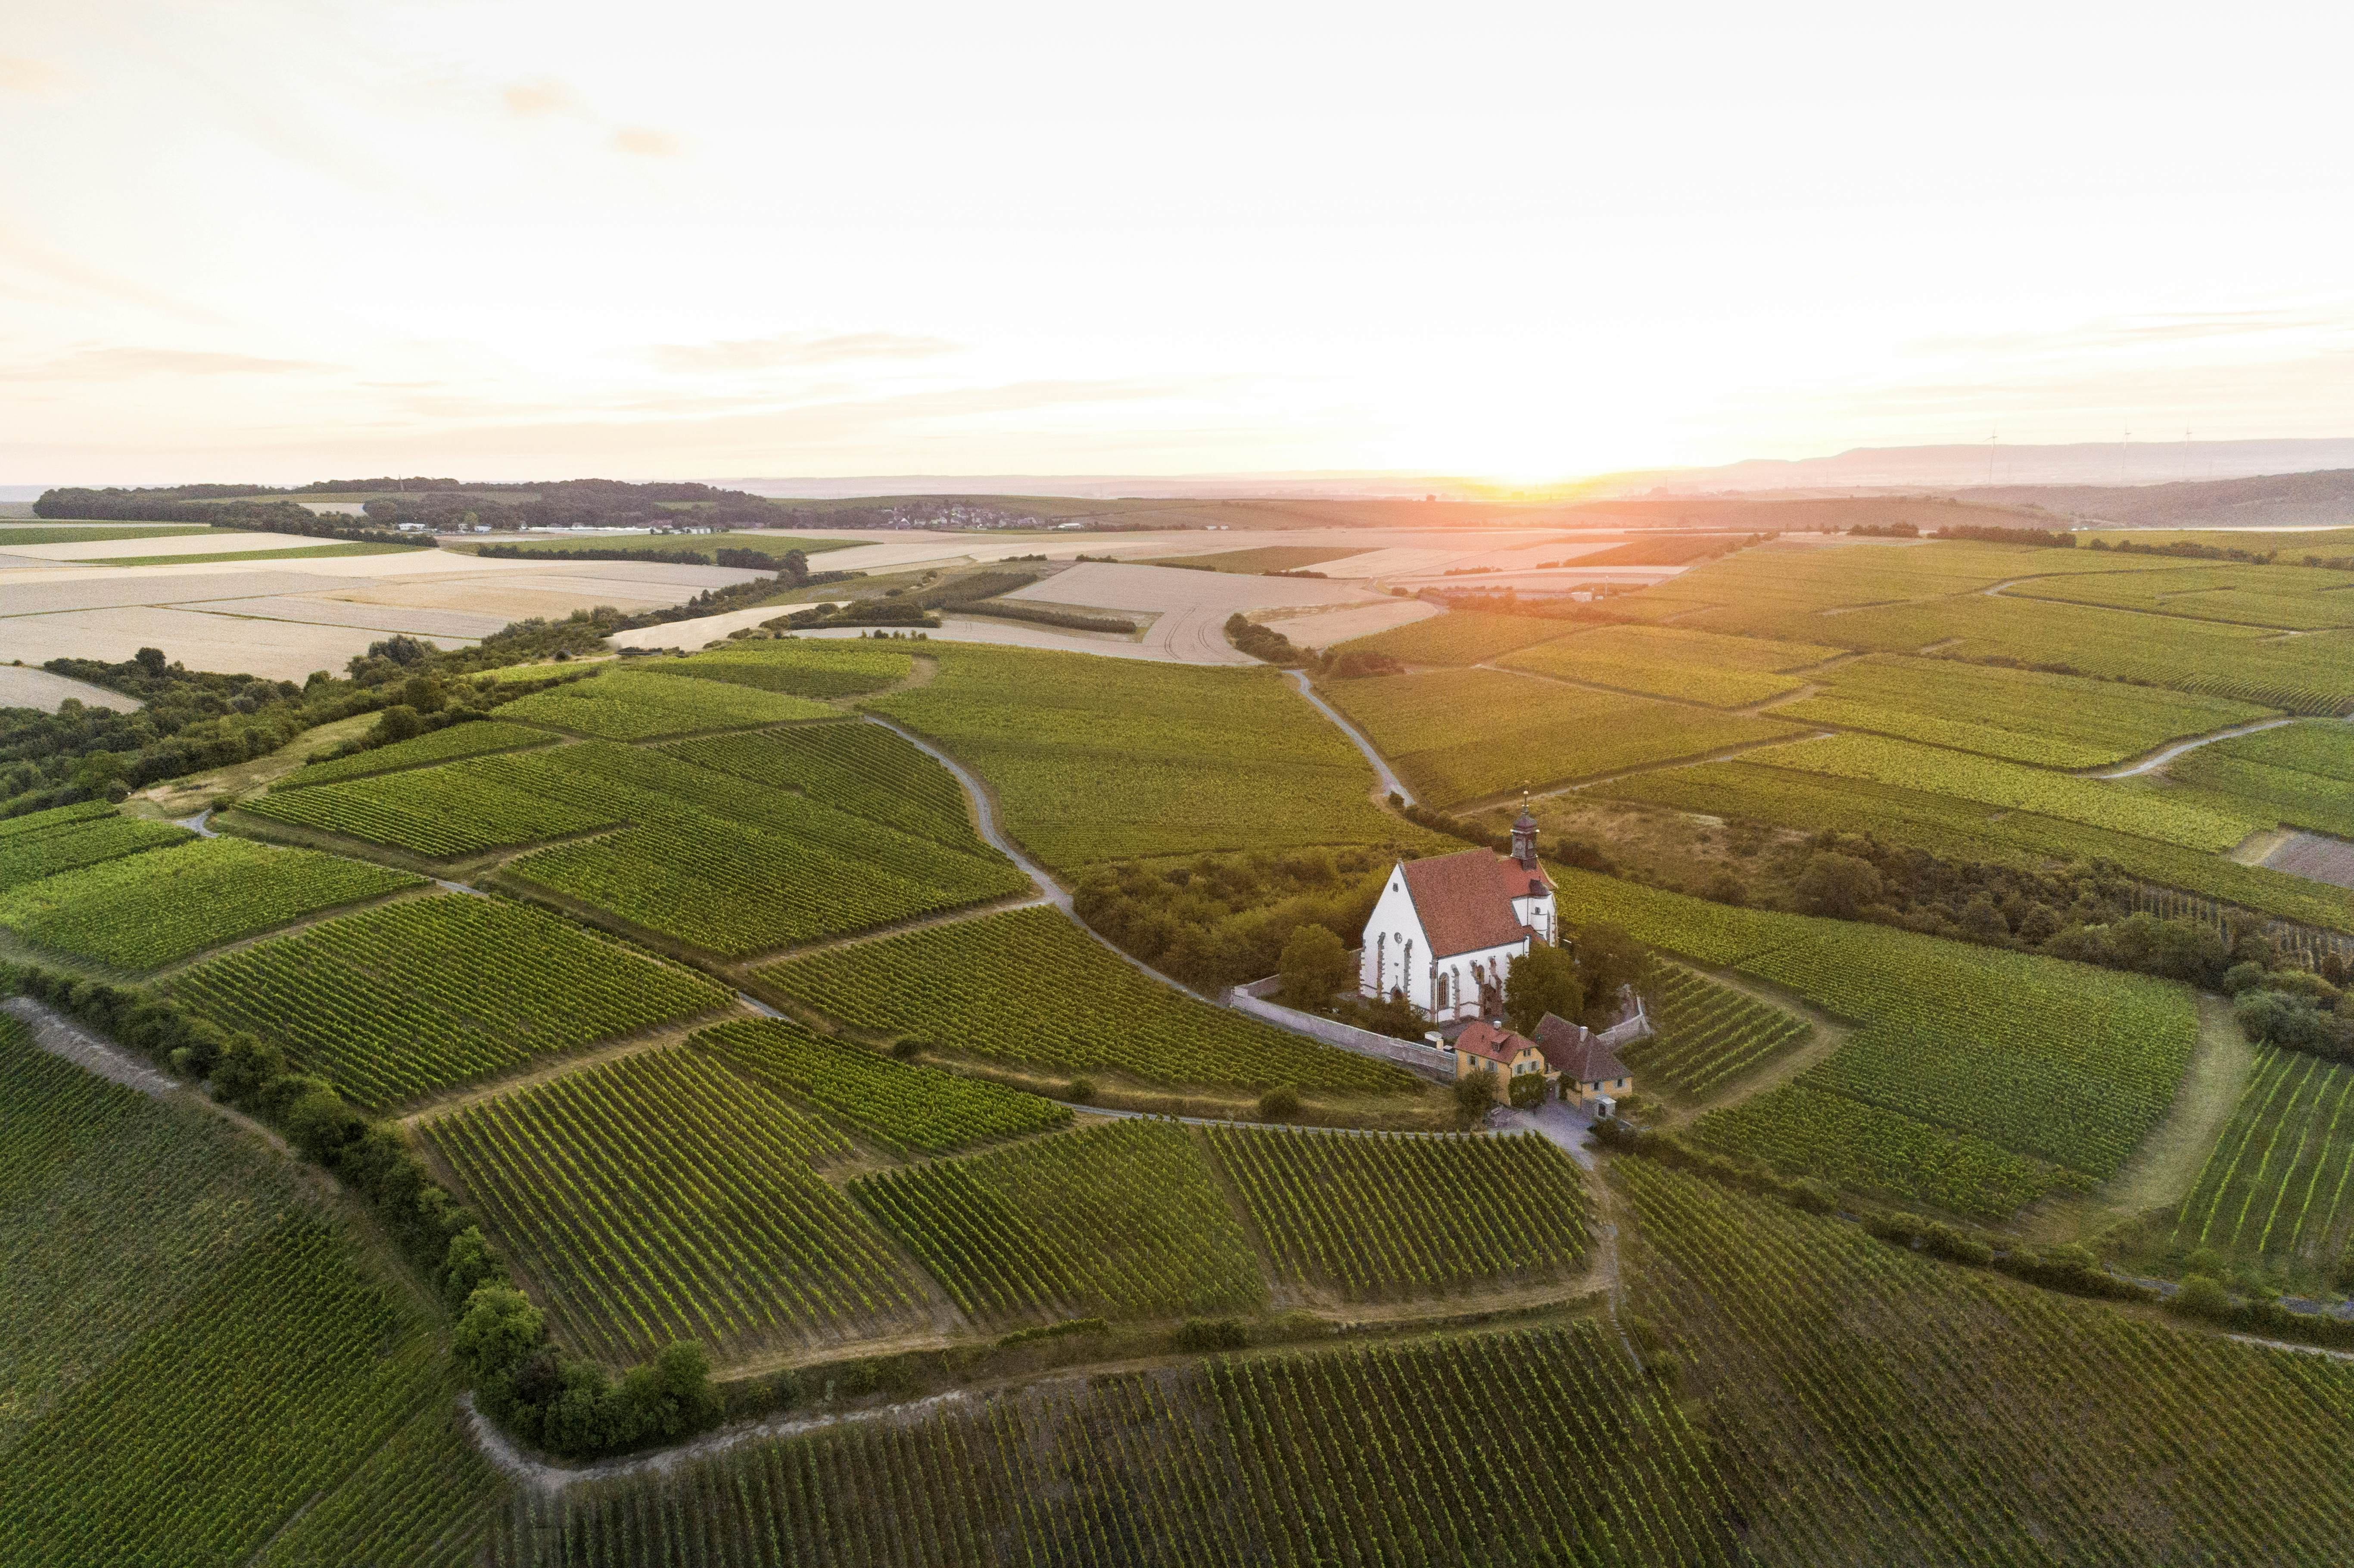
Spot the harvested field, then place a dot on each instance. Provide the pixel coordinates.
(208, 541)
(287, 650)
(322, 610)
(1322, 628)
(1107, 585)
(2316, 856)
(26, 688)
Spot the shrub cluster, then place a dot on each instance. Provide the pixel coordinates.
(1222, 920)
(538, 1392)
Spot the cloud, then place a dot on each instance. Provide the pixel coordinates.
(795, 351)
(2136, 332)
(542, 95)
(130, 363)
(20, 75)
(645, 141)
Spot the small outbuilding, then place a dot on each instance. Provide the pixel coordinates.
(1581, 1064)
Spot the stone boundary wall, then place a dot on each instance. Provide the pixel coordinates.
(1432, 1062)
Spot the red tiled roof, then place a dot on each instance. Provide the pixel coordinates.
(1485, 1040)
(1576, 1053)
(1465, 901)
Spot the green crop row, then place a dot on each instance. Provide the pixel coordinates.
(862, 768)
(429, 993)
(29, 857)
(1707, 1035)
(442, 745)
(1460, 637)
(159, 907)
(901, 1106)
(442, 812)
(1384, 1215)
(1120, 1220)
(2274, 1186)
(638, 704)
(661, 1197)
(1670, 661)
(806, 669)
(1029, 986)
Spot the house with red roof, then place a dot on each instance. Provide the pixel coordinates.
(1446, 930)
(1583, 1066)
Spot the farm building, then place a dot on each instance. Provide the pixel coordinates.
(1577, 1065)
(1445, 931)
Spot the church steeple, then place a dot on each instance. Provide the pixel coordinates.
(1524, 835)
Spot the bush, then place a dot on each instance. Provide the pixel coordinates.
(1474, 1091)
(1278, 1104)
(1081, 1092)
(1314, 965)
(2202, 1296)
(1527, 1090)
(1203, 1334)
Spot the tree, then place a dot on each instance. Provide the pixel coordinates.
(498, 1328)
(1474, 1092)
(1278, 1104)
(1543, 980)
(1607, 959)
(1838, 885)
(151, 659)
(1528, 1090)
(1314, 965)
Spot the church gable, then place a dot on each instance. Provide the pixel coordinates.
(1464, 901)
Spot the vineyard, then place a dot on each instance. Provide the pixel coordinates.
(1029, 986)
(29, 856)
(1409, 1215)
(1975, 1075)
(158, 909)
(442, 812)
(802, 668)
(1460, 637)
(2123, 806)
(1544, 1446)
(1965, 830)
(904, 1107)
(661, 1196)
(429, 993)
(1930, 1414)
(1117, 1220)
(2301, 774)
(1457, 735)
(638, 704)
(451, 744)
(1668, 662)
(2298, 597)
(2021, 715)
(862, 768)
(202, 1436)
(1707, 1036)
(1094, 759)
(2274, 1188)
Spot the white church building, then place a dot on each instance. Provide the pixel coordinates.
(1446, 929)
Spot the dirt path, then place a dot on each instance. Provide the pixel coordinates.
(2160, 757)
(2167, 1165)
(60, 1037)
(1385, 779)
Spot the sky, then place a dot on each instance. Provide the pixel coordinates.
(283, 239)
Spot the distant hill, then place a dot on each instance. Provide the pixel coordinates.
(1979, 464)
(2265, 501)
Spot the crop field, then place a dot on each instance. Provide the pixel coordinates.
(1932, 1414)
(1461, 637)
(1459, 735)
(457, 809)
(1368, 1458)
(1094, 759)
(2302, 775)
(1972, 1070)
(2274, 1188)
(1707, 1036)
(736, 870)
(813, 669)
(205, 1433)
(1668, 662)
(2122, 805)
(426, 1499)
(1965, 830)
(862, 768)
(1266, 558)
(429, 993)
(1409, 1216)
(637, 704)
(33, 822)
(1029, 986)
(442, 745)
(771, 544)
(2023, 715)
(661, 1196)
(1122, 1220)
(30, 856)
(901, 1106)
(160, 906)
(2297, 598)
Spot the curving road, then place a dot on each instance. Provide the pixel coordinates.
(1389, 781)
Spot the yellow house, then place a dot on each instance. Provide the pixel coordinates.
(1583, 1067)
(1492, 1046)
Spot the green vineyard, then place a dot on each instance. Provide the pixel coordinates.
(901, 1106)
(1029, 986)
(1122, 1220)
(1668, 662)
(85, 841)
(450, 745)
(458, 809)
(2274, 1186)
(1407, 1214)
(637, 704)
(805, 669)
(1707, 1035)
(159, 907)
(429, 993)
(1540, 1447)
(862, 768)
(663, 1197)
